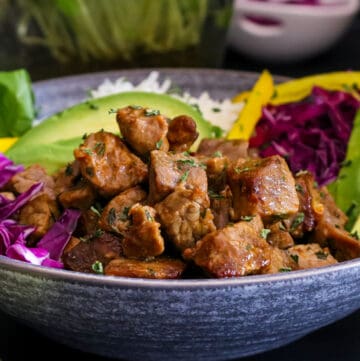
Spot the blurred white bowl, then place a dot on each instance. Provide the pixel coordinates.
(280, 32)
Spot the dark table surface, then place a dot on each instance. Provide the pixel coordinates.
(339, 341)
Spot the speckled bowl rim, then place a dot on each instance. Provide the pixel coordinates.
(127, 282)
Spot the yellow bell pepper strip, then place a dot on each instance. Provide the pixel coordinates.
(297, 89)
(259, 96)
(6, 143)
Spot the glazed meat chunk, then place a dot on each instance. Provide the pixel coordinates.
(329, 230)
(182, 133)
(281, 261)
(67, 177)
(216, 167)
(221, 206)
(232, 149)
(143, 129)
(263, 186)
(143, 238)
(40, 212)
(159, 268)
(185, 216)
(233, 251)
(115, 216)
(279, 237)
(22, 181)
(81, 255)
(168, 170)
(108, 164)
(81, 196)
(311, 255)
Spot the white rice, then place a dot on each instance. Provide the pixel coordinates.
(221, 113)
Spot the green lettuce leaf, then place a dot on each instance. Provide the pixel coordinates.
(346, 189)
(17, 105)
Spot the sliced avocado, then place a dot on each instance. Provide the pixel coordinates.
(51, 143)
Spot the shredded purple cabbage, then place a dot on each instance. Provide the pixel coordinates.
(13, 236)
(7, 169)
(312, 134)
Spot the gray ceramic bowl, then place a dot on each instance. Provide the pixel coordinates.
(139, 319)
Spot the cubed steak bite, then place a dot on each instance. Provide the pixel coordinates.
(234, 251)
(81, 196)
(142, 238)
(108, 165)
(115, 215)
(185, 216)
(168, 170)
(144, 129)
(263, 186)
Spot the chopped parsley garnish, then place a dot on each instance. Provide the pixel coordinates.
(149, 217)
(316, 184)
(184, 177)
(98, 233)
(217, 154)
(264, 232)
(100, 148)
(135, 107)
(216, 110)
(299, 218)
(299, 188)
(112, 111)
(87, 151)
(247, 218)
(124, 215)
(215, 195)
(295, 257)
(240, 170)
(95, 210)
(151, 112)
(159, 144)
(111, 218)
(190, 162)
(285, 269)
(97, 267)
(321, 255)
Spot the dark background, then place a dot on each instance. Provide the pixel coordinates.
(336, 342)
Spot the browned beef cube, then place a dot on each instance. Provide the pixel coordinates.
(185, 216)
(216, 172)
(67, 177)
(232, 149)
(143, 238)
(220, 204)
(281, 261)
(159, 268)
(329, 230)
(108, 164)
(233, 251)
(143, 129)
(115, 216)
(169, 170)
(279, 236)
(81, 196)
(263, 186)
(22, 181)
(82, 256)
(40, 212)
(311, 255)
(182, 133)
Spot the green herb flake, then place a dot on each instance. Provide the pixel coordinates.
(217, 154)
(159, 144)
(184, 177)
(247, 218)
(355, 235)
(241, 170)
(92, 106)
(299, 188)
(149, 217)
(285, 269)
(151, 112)
(316, 184)
(96, 211)
(97, 267)
(295, 257)
(216, 110)
(189, 162)
(98, 233)
(87, 151)
(346, 163)
(111, 218)
(264, 232)
(299, 218)
(321, 255)
(112, 111)
(124, 215)
(100, 148)
(215, 195)
(249, 247)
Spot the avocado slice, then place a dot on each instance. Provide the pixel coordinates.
(52, 142)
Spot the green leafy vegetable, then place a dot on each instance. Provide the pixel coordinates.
(17, 108)
(346, 189)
